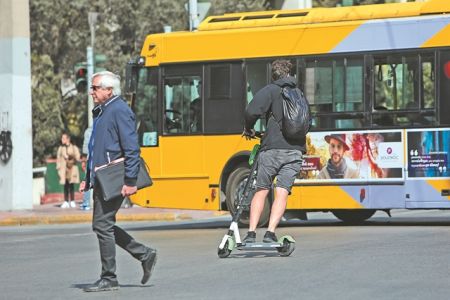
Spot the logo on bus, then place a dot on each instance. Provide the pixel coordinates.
(390, 155)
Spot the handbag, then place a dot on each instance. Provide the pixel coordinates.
(111, 178)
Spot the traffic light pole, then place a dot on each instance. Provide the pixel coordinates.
(90, 72)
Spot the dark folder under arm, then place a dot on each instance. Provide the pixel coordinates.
(111, 178)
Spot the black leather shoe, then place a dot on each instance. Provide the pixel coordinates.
(148, 265)
(103, 285)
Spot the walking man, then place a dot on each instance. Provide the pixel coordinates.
(113, 136)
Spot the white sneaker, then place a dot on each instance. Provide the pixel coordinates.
(72, 204)
(65, 204)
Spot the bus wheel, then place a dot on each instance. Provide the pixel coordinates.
(235, 187)
(353, 216)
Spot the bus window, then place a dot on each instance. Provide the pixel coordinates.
(318, 85)
(394, 82)
(335, 86)
(444, 88)
(256, 79)
(145, 107)
(353, 100)
(182, 104)
(220, 82)
(428, 82)
(402, 98)
(224, 103)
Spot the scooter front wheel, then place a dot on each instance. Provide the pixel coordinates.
(225, 252)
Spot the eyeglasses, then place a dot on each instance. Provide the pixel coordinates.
(95, 87)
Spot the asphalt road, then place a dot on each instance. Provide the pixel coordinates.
(406, 257)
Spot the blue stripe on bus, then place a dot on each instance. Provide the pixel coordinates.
(399, 33)
(420, 195)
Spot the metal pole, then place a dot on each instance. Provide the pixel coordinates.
(193, 15)
(92, 19)
(90, 72)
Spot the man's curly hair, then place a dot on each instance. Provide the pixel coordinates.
(281, 68)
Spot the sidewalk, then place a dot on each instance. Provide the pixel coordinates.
(52, 214)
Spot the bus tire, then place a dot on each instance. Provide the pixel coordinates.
(234, 184)
(353, 216)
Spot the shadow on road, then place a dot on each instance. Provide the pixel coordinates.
(82, 286)
(221, 223)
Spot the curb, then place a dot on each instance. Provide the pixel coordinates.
(69, 219)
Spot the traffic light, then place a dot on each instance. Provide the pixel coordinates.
(99, 64)
(81, 77)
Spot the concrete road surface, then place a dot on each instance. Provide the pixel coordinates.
(406, 257)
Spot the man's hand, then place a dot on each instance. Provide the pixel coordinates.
(128, 190)
(82, 186)
(249, 134)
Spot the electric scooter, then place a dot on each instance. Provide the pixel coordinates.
(232, 240)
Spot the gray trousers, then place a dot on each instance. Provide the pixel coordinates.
(109, 234)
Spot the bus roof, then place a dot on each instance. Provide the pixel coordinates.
(305, 31)
(324, 15)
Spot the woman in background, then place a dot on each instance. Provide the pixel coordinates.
(66, 163)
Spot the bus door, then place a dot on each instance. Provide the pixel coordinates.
(145, 106)
(183, 181)
(169, 119)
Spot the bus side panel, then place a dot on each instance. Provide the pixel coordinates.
(428, 168)
(427, 193)
(324, 197)
(183, 193)
(387, 196)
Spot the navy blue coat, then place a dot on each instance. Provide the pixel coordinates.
(114, 136)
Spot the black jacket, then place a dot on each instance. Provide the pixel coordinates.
(268, 102)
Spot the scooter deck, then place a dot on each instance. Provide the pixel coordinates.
(259, 246)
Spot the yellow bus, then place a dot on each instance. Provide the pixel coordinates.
(376, 76)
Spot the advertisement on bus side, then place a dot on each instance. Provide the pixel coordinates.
(428, 153)
(360, 156)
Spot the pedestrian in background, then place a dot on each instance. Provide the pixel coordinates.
(113, 136)
(66, 163)
(86, 205)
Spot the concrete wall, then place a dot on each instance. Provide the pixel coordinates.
(15, 104)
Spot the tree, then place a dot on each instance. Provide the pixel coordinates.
(59, 37)
(219, 7)
(46, 108)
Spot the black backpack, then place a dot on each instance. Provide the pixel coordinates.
(296, 120)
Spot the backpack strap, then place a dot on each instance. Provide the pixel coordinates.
(270, 113)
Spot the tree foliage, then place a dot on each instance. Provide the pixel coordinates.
(60, 34)
(46, 107)
(334, 3)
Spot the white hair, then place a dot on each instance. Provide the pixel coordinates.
(109, 80)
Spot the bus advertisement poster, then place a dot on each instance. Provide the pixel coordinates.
(359, 156)
(428, 153)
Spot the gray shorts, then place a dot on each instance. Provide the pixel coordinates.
(280, 163)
